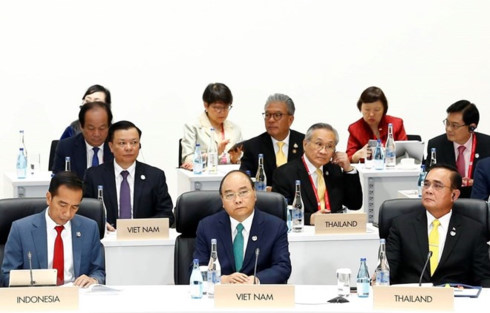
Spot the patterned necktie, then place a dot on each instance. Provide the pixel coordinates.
(238, 247)
(460, 164)
(58, 258)
(434, 246)
(280, 156)
(321, 188)
(95, 158)
(125, 197)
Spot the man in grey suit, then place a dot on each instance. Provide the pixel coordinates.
(458, 243)
(37, 235)
(132, 189)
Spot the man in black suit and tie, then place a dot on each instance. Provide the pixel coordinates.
(131, 189)
(89, 148)
(279, 144)
(458, 243)
(328, 180)
(461, 146)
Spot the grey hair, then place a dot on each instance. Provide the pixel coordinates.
(326, 126)
(279, 97)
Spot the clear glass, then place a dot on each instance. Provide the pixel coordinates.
(343, 282)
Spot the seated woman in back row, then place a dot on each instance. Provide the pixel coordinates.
(217, 100)
(373, 124)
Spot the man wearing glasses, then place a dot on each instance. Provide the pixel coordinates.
(459, 252)
(132, 189)
(461, 146)
(240, 230)
(279, 144)
(328, 180)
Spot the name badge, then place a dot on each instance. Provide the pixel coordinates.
(413, 298)
(21, 299)
(142, 228)
(340, 223)
(253, 296)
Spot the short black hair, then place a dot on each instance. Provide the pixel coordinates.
(455, 177)
(373, 94)
(67, 179)
(236, 171)
(91, 105)
(99, 88)
(468, 109)
(121, 125)
(217, 92)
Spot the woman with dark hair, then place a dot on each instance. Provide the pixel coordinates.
(94, 93)
(373, 125)
(217, 100)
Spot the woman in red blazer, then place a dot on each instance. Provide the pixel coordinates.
(373, 124)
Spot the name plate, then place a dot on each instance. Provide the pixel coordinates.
(253, 296)
(413, 298)
(21, 299)
(142, 228)
(340, 223)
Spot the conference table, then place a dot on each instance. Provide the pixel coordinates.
(188, 181)
(34, 185)
(314, 258)
(308, 298)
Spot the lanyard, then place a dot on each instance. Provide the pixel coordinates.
(472, 156)
(325, 197)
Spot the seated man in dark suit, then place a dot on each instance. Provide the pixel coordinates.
(481, 183)
(131, 189)
(461, 146)
(279, 144)
(337, 186)
(89, 148)
(58, 238)
(259, 230)
(458, 243)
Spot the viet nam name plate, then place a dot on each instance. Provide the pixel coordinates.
(142, 228)
(254, 296)
(22, 299)
(339, 223)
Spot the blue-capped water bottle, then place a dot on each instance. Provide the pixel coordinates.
(196, 282)
(363, 280)
(21, 164)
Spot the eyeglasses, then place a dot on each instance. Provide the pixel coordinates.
(220, 109)
(318, 146)
(448, 124)
(276, 116)
(435, 185)
(132, 144)
(231, 195)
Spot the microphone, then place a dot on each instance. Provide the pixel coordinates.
(29, 256)
(429, 255)
(257, 251)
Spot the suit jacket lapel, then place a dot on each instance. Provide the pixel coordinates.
(110, 191)
(82, 147)
(76, 237)
(452, 237)
(294, 146)
(422, 241)
(307, 192)
(256, 231)
(139, 185)
(225, 237)
(270, 162)
(39, 237)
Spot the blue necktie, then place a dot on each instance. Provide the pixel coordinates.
(125, 197)
(95, 158)
(238, 247)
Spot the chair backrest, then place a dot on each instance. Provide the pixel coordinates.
(193, 206)
(52, 153)
(16, 208)
(414, 137)
(180, 152)
(390, 209)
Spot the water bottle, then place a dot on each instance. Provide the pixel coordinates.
(289, 215)
(100, 196)
(67, 164)
(22, 143)
(363, 280)
(196, 282)
(197, 161)
(21, 164)
(383, 269)
(214, 269)
(260, 178)
(298, 212)
(420, 183)
(390, 152)
(212, 154)
(378, 157)
(433, 158)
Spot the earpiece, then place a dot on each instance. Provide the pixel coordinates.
(140, 145)
(471, 128)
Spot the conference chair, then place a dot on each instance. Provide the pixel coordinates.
(16, 208)
(390, 209)
(193, 206)
(414, 137)
(52, 154)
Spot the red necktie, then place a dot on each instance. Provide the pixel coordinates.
(460, 164)
(58, 259)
